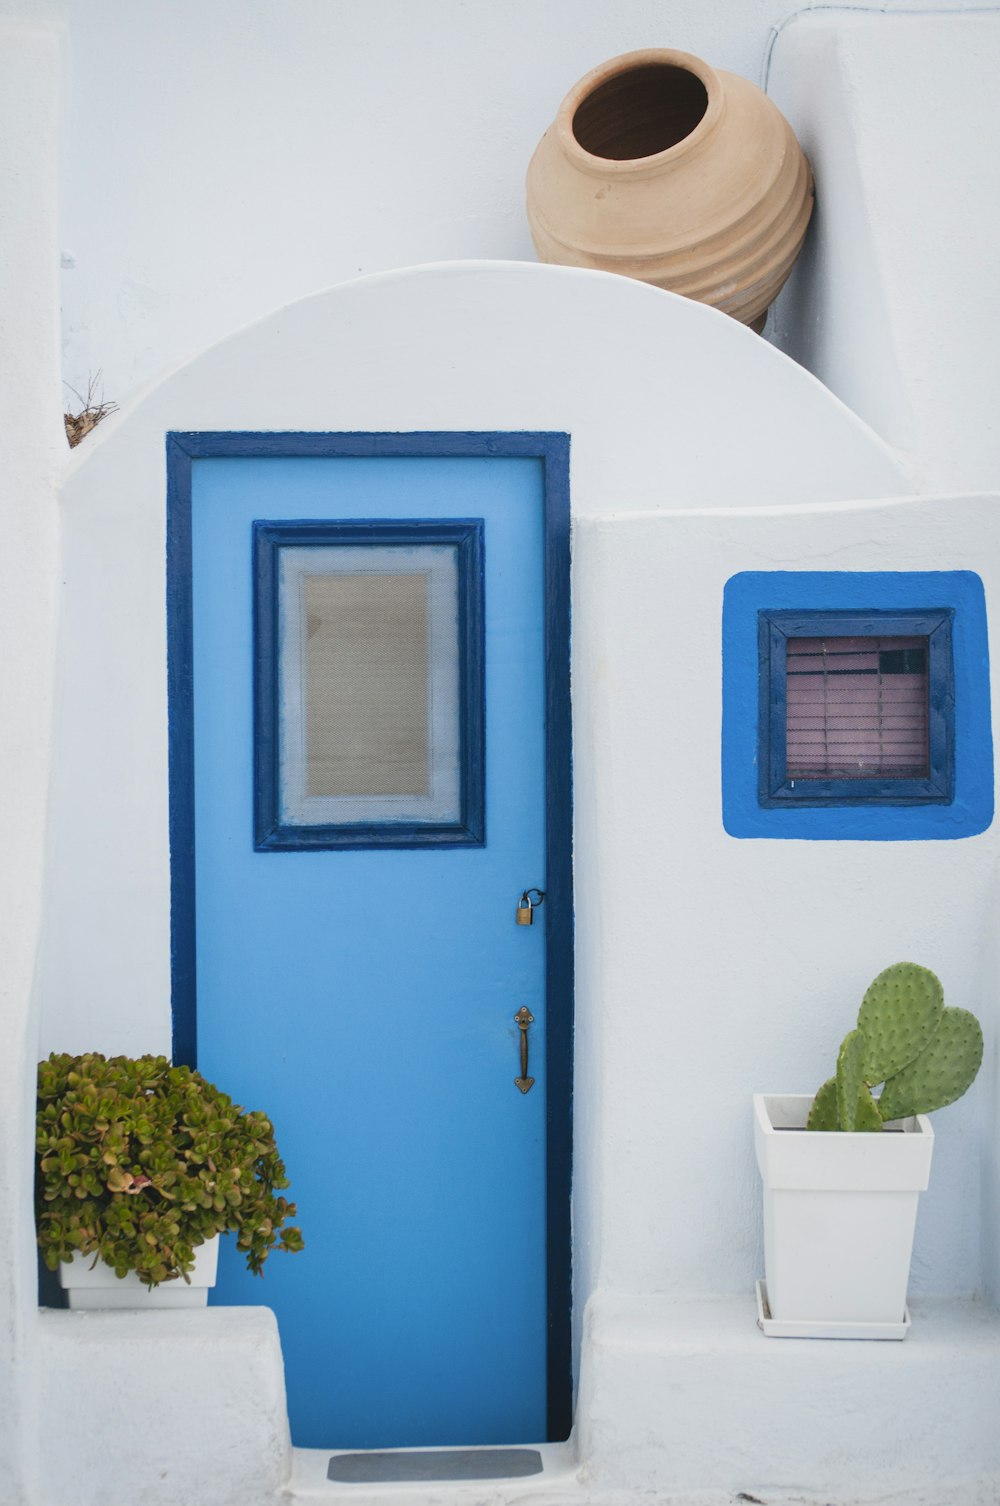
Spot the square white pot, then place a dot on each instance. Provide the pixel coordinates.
(94, 1287)
(839, 1213)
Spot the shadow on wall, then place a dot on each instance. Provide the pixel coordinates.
(793, 325)
(50, 1293)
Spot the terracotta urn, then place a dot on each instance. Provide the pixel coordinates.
(662, 168)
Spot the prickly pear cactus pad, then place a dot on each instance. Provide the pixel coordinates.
(868, 1117)
(850, 1078)
(824, 1116)
(941, 1073)
(899, 1014)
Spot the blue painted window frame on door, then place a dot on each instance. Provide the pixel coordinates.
(271, 834)
(551, 450)
(775, 628)
(840, 596)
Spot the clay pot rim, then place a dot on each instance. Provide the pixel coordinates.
(626, 62)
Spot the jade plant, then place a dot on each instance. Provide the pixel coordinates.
(924, 1054)
(138, 1162)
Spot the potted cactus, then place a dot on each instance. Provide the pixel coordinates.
(843, 1169)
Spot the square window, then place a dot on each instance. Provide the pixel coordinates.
(368, 691)
(856, 708)
(856, 705)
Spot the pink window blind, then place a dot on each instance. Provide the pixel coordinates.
(857, 708)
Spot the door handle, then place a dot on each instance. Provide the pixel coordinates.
(523, 1019)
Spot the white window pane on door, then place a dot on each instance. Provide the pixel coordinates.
(366, 690)
(369, 695)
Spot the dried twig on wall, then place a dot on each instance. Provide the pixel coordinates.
(79, 425)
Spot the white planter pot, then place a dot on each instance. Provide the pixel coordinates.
(839, 1214)
(93, 1286)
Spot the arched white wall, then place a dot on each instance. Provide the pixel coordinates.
(669, 404)
(697, 450)
(671, 408)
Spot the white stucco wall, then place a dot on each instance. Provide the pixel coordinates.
(31, 445)
(896, 303)
(196, 196)
(698, 451)
(223, 160)
(713, 962)
(725, 961)
(670, 405)
(990, 1091)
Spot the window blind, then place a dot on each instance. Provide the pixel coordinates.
(857, 708)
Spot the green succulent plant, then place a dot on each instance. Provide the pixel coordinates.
(923, 1053)
(138, 1162)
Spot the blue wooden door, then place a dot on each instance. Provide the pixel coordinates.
(357, 964)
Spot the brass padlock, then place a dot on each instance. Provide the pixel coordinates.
(526, 906)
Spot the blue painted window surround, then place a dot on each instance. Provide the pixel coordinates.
(950, 796)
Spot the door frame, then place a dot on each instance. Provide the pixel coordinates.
(551, 449)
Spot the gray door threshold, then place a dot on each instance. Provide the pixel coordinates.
(434, 1464)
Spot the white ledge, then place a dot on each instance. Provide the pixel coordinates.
(187, 1407)
(686, 1399)
(690, 1397)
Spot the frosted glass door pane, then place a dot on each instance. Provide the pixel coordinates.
(366, 684)
(369, 698)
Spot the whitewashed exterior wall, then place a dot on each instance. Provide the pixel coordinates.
(688, 981)
(641, 380)
(895, 304)
(31, 454)
(224, 160)
(697, 451)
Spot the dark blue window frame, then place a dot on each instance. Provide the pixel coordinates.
(271, 834)
(775, 789)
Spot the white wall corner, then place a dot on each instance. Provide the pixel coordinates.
(834, 314)
(894, 303)
(33, 448)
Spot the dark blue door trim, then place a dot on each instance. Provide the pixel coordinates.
(552, 451)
